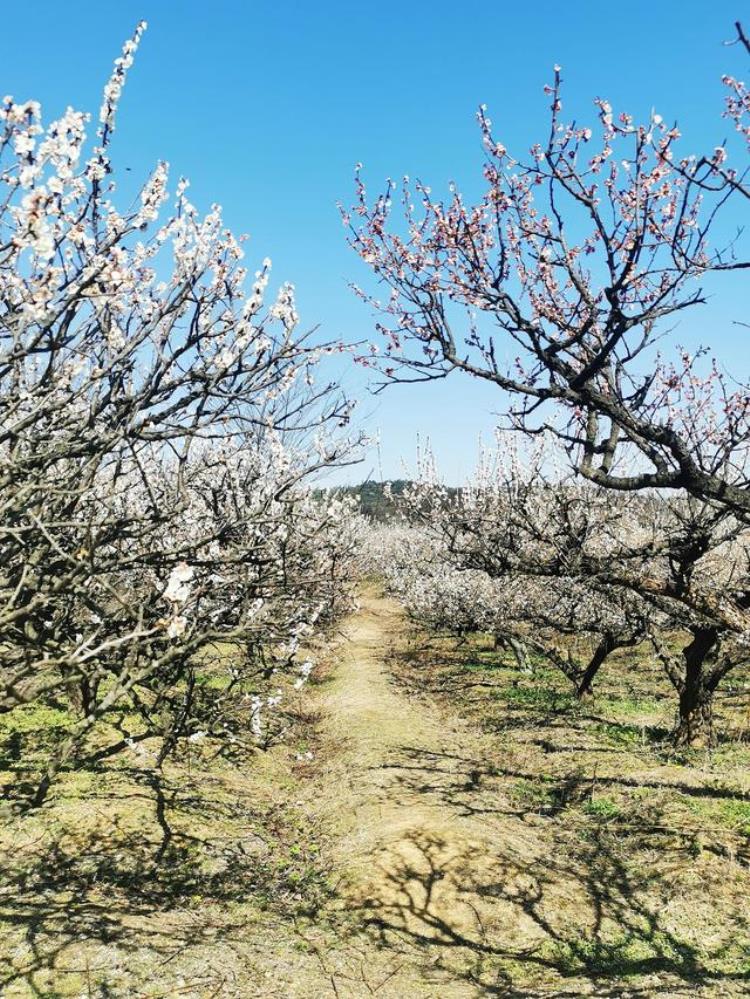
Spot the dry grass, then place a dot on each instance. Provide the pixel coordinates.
(618, 867)
(133, 881)
(461, 830)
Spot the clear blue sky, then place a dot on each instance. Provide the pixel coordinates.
(266, 107)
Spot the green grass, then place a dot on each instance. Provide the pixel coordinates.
(35, 718)
(736, 813)
(630, 706)
(602, 808)
(731, 813)
(538, 698)
(618, 734)
(623, 954)
(481, 665)
(534, 794)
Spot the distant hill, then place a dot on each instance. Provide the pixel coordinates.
(374, 501)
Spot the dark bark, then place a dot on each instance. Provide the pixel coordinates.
(696, 689)
(603, 649)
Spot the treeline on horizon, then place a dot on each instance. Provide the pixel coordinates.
(381, 502)
(378, 501)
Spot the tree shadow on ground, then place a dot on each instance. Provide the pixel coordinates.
(507, 926)
(553, 903)
(130, 884)
(455, 779)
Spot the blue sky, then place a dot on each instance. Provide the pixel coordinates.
(266, 107)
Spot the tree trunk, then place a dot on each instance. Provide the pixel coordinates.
(695, 723)
(522, 659)
(603, 649)
(517, 648)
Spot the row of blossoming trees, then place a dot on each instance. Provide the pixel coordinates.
(571, 572)
(157, 424)
(556, 287)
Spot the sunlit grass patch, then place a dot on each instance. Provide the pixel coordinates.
(631, 706)
(538, 698)
(730, 812)
(35, 718)
(602, 807)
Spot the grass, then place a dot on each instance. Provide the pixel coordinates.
(617, 734)
(35, 718)
(603, 808)
(643, 877)
(133, 880)
(586, 857)
(732, 813)
(535, 794)
(538, 698)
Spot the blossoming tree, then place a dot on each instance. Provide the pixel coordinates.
(158, 421)
(558, 282)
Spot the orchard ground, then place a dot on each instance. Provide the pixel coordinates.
(436, 824)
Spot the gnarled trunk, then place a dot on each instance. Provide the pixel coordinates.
(517, 648)
(696, 690)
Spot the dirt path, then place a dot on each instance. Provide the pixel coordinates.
(426, 852)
